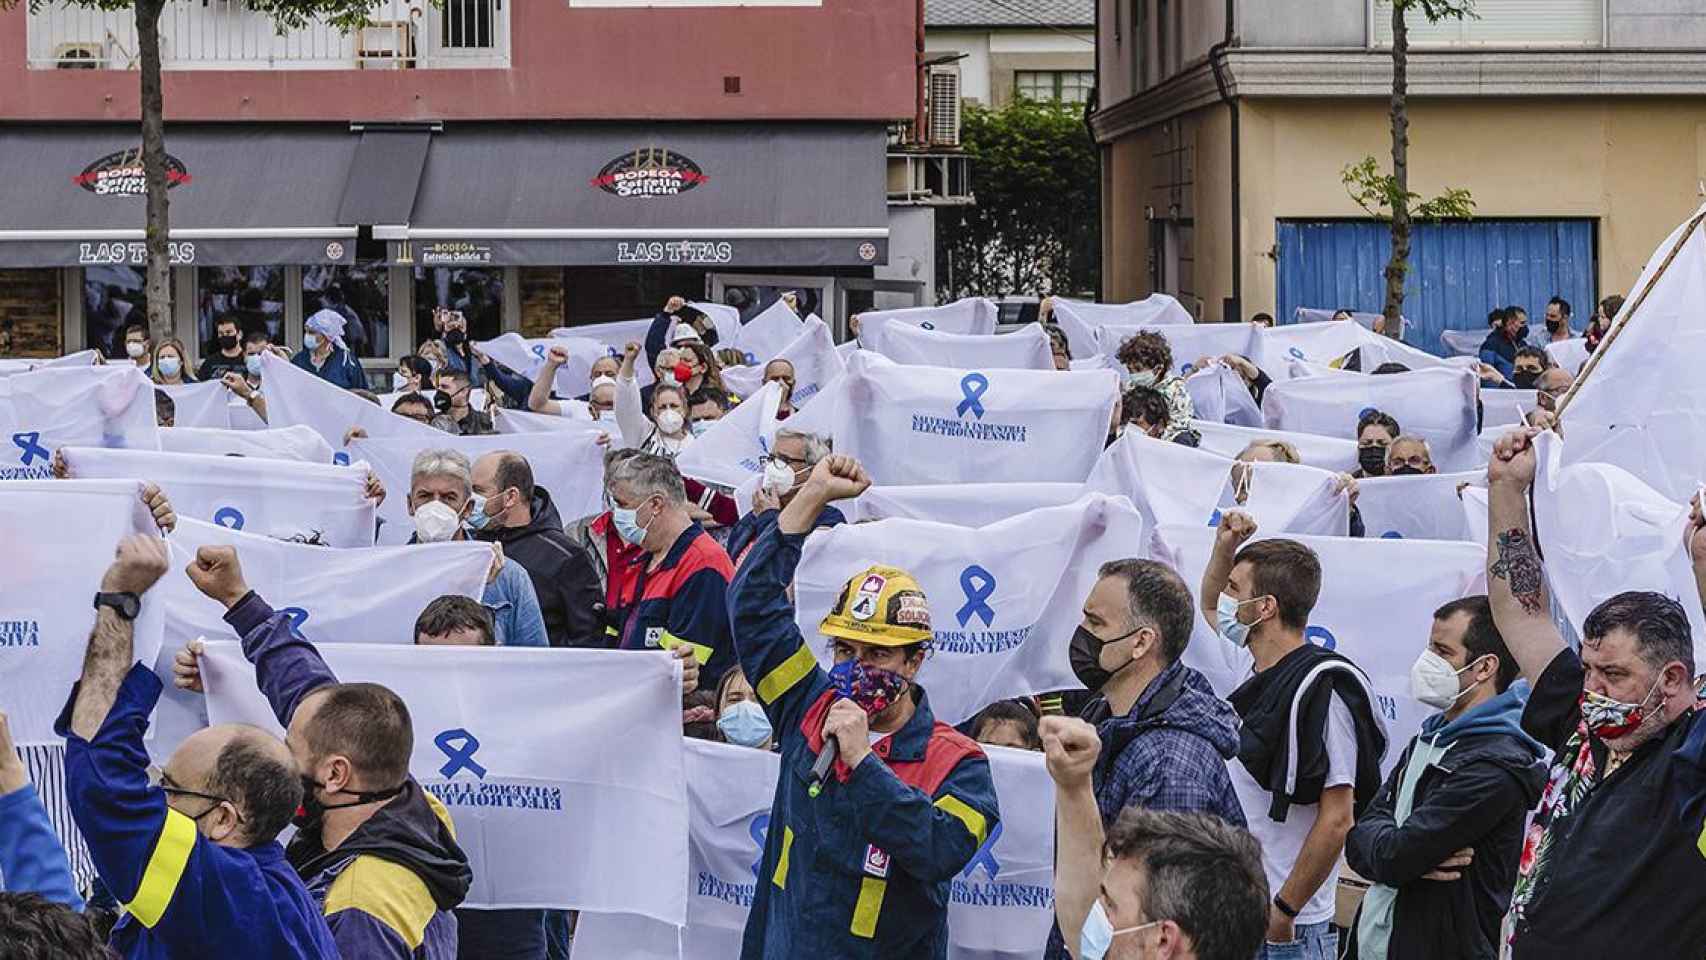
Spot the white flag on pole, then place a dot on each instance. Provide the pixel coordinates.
(1219, 393)
(298, 443)
(569, 466)
(961, 504)
(44, 410)
(972, 315)
(1328, 453)
(1421, 507)
(321, 503)
(295, 396)
(1004, 598)
(1024, 349)
(60, 537)
(1380, 623)
(768, 334)
(937, 425)
(203, 404)
(816, 365)
(1437, 404)
(728, 453)
(1603, 531)
(562, 769)
(1189, 342)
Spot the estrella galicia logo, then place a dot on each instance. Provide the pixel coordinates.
(467, 782)
(968, 420)
(992, 891)
(35, 461)
(649, 172)
(978, 586)
(120, 175)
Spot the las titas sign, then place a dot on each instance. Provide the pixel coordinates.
(649, 172)
(120, 175)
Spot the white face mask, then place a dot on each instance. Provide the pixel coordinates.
(1433, 680)
(399, 383)
(778, 478)
(670, 422)
(435, 522)
(135, 350)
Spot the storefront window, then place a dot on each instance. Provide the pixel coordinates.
(113, 298)
(253, 295)
(753, 299)
(361, 294)
(602, 294)
(476, 291)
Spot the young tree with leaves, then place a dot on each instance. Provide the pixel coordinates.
(346, 15)
(1375, 191)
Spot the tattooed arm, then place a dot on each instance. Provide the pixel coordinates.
(1516, 585)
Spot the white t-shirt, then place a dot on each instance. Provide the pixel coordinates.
(1282, 842)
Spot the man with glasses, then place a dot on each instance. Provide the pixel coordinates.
(415, 406)
(1551, 387)
(1409, 456)
(790, 461)
(191, 852)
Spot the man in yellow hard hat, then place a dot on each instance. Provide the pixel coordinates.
(861, 869)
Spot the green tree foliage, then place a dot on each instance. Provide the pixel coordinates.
(1036, 226)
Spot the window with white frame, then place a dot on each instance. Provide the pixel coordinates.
(1499, 23)
(1064, 86)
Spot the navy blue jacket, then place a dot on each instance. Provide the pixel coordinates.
(863, 870)
(747, 530)
(342, 369)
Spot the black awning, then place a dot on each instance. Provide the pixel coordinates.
(384, 176)
(689, 194)
(239, 194)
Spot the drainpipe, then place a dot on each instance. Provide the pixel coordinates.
(1217, 61)
(918, 77)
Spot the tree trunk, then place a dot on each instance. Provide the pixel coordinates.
(1399, 264)
(159, 263)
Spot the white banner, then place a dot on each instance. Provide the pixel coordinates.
(768, 334)
(1437, 404)
(1024, 349)
(816, 365)
(1641, 404)
(1424, 507)
(727, 454)
(298, 443)
(575, 418)
(204, 404)
(1174, 484)
(1219, 393)
(1004, 598)
(11, 365)
(1079, 319)
(562, 769)
(972, 315)
(614, 334)
(1295, 498)
(1569, 354)
(1505, 407)
(321, 503)
(724, 317)
(936, 425)
(570, 467)
(295, 396)
(41, 411)
(1328, 453)
(961, 504)
(60, 537)
(1189, 342)
(1322, 343)
(1380, 622)
(1602, 531)
(527, 357)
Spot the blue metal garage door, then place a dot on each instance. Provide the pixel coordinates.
(1459, 270)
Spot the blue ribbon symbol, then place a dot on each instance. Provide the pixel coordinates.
(979, 586)
(1391, 535)
(1214, 519)
(539, 350)
(297, 617)
(1321, 637)
(461, 757)
(30, 444)
(972, 386)
(229, 517)
(928, 325)
(760, 830)
(341, 458)
(1296, 352)
(985, 856)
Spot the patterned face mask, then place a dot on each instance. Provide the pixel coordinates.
(1609, 718)
(872, 688)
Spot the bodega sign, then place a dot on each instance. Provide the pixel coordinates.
(120, 175)
(649, 172)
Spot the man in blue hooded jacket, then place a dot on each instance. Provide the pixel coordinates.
(1442, 839)
(861, 870)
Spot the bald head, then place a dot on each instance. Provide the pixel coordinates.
(237, 782)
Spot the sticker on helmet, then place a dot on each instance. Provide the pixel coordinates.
(873, 584)
(864, 606)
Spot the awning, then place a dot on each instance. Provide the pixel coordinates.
(239, 194)
(672, 194)
(383, 177)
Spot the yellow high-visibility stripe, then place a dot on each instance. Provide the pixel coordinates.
(670, 641)
(780, 877)
(789, 672)
(976, 822)
(1701, 843)
(870, 904)
(165, 868)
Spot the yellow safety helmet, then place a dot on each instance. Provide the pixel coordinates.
(884, 606)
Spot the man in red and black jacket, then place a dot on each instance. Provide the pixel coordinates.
(677, 589)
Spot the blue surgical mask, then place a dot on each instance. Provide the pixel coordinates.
(1226, 619)
(169, 366)
(698, 427)
(744, 724)
(627, 520)
(252, 363)
(477, 519)
(1142, 378)
(311, 341)
(1098, 933)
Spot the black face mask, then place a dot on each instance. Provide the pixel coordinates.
(441, 401)
(227, 343)
(1085, 655)
(454, 337)
(1372, 460)
(313, 808)
(1407, 471)
(1525, 379)
(1552, 326)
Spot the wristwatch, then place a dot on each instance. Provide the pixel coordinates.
(126, 605)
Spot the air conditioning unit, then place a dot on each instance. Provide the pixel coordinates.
(944, 97)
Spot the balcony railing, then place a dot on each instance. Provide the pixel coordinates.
(227, 35)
